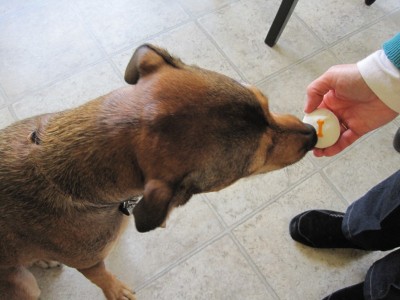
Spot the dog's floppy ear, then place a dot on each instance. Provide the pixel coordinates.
(148, 59)
(152, 210)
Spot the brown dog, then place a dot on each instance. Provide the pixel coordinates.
(178, 130)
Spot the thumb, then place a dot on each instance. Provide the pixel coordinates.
(316, 92)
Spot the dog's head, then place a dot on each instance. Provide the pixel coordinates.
(201, 131)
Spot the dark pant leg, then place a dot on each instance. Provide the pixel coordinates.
(383, 278)
(373, 221)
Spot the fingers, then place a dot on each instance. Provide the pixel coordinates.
(316, 92)
(320, 87)
(347, 138)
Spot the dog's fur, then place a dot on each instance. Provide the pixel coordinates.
(177, 130)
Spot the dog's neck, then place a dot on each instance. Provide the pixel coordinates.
(86, 157)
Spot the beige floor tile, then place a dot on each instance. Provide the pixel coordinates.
(365, 42)
(55, 55)
(42, 44)
(237, 201)
(365, 165)
(76, 90)
(332, 20)
(388, 5)
(65, 283)
(11, 6)
(240, 30)
(287, 91)
(196, 7)
(2, 100)
(118, 24)
(323, 161)
(295, 271)
(395, 17)
(140, 256)
(5, 118)
(197, 49)
(217, 272)
(14, 6)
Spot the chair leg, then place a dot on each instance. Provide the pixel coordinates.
(369, 2)
(285, 11)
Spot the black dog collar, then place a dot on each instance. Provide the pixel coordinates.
(127, 206)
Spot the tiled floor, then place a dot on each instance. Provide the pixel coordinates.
(233, 244)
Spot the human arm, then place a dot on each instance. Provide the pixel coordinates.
(364, 96)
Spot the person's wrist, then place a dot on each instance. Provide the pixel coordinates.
(382, 77)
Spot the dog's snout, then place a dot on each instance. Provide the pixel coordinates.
(312, 136)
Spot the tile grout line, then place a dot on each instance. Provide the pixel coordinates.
(100, 47)
(361, 29)
(226, 231)
(288, 67)
(274, 199)
(195, 16)
(324, 46)
(307, 57)
(191, 253)
(150, 37)
(220, 51)
(327, 178)
(309, 29)
(54, 82)
(8, 104)
(243, 251)
(333, 187)
(18, 97)
(254, 266)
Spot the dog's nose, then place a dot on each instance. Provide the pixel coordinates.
(312, 137)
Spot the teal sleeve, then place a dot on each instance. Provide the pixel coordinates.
(392, 50)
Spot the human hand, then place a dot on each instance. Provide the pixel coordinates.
(342, 90)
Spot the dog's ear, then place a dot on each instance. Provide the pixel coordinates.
(152, 210)
(146, 60)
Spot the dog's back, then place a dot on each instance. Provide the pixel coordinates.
(36, 215)
(18, 179)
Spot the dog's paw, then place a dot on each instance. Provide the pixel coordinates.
(47, 264)
(119, 291)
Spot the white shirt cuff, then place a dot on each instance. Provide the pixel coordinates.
(382, 77)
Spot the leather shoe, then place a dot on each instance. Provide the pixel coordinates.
(396, 141)
(320, 229)
(354, 292)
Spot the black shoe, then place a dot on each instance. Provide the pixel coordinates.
(354, 292)
(320, 229)
(396, 141)
(369, 2)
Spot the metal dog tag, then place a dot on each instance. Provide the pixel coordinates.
(127, 206)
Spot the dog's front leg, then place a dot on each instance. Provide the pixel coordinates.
(112, 288)
(18, 283)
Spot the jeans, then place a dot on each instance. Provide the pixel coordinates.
(373, 223)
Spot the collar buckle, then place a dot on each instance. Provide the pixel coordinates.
(128, 205)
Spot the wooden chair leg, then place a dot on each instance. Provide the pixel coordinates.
(285, 11)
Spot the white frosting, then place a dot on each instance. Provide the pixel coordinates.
(327, 126)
